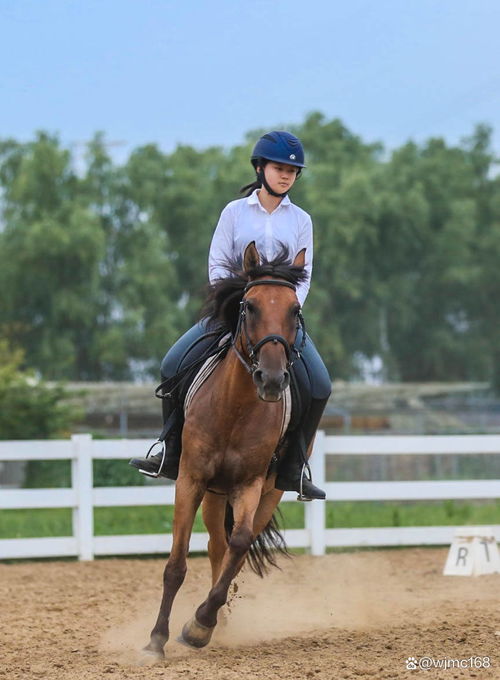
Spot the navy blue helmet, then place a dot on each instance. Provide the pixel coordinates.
(281, 147)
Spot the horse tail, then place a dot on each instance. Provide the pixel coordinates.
(266, 546)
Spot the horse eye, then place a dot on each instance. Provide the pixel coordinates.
(250, 307)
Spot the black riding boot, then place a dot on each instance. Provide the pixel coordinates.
(165, 463)
(293, 470)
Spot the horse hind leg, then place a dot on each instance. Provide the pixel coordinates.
(188, 497)
(214, 512)
(198, 631)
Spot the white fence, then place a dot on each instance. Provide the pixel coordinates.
(82, 497)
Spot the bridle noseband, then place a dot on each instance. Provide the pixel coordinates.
(252, 350)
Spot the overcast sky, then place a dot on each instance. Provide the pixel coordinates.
(205, 73)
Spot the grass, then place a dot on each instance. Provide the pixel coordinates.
(158, 519)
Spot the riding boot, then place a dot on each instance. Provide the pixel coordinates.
(165, 463)
(293, 470)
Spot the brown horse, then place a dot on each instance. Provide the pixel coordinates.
(232, 430)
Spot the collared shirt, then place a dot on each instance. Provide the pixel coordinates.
(245, 220)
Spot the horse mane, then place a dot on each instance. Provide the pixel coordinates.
(223, 299)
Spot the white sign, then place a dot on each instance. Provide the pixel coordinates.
(474, 551)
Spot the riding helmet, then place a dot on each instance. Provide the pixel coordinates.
(281, 147)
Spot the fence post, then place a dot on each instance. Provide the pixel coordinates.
(315, 514)
(82, 483)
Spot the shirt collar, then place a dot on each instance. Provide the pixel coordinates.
(253, 199)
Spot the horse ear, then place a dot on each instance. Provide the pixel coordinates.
(251, 258)
(300, 259)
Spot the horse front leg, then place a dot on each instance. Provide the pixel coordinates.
(198, 631)
(188, 495)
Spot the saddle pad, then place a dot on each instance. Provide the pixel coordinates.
(203, 374)
(207, 368)
(206, 371)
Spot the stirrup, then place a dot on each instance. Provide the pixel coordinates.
(155, 475)
(305, 469)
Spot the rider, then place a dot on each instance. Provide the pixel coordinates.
(267, 216)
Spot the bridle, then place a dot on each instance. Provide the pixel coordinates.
(253, 349)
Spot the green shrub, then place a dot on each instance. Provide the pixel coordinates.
(29, 407)
(33, 409)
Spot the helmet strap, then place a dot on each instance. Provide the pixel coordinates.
(262, 179)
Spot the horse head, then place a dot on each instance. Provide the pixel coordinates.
(270, 318)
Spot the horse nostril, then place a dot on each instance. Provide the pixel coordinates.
(286, 379)
(258, 376)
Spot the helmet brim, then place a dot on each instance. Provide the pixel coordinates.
(254, 160)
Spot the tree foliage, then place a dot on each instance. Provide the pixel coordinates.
(102, 270)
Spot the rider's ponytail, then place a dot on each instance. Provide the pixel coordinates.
(256, 184)
(250, 188)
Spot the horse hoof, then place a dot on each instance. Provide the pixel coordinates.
(147, 658)
(154, 648)
(196, 634)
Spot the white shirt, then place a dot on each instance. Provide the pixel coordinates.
(245, 220)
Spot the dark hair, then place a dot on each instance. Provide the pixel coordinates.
(256, 184)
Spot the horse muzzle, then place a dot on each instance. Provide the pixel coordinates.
(270, 384)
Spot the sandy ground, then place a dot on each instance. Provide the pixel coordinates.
(349, 615)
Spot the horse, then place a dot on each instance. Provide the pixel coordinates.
(232, 431)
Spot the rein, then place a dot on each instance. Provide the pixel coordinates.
(252, 350)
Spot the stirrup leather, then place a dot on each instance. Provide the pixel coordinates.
(305, 472)
(155, 475)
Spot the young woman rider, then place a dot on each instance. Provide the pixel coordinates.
(267, 216)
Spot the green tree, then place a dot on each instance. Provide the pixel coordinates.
(425, 262)
(138, 306)
(49, 257)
